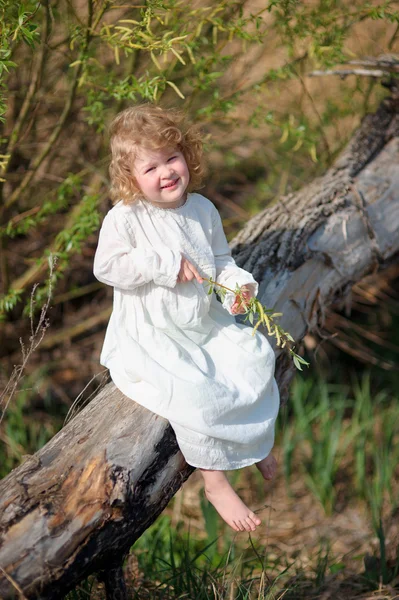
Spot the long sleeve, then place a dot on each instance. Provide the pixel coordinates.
(119, 263)
(227, 272)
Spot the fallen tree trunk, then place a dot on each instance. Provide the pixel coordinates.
(78, 504)
(311, 247)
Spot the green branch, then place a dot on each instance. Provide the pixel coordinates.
(37, 162)
(258, 315)
(37, 71)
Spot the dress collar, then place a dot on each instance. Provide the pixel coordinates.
(163, 212)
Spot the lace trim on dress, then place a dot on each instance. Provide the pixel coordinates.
(162, 212)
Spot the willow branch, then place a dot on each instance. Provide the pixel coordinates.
(77, 293)
(266, 318)
(70, 332)
(13, 139)
(35, 78)
(240, 91)
(65, 113)
(35, 271)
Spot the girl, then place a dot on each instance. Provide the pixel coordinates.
(169, 345)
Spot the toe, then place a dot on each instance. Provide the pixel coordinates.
(239, 525)
(246, 525)
(254, 518)
(251, 524)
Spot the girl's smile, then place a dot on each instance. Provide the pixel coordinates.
(162, 176)
(170, 185)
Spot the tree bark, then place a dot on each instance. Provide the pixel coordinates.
(308, 249)
(78, 504)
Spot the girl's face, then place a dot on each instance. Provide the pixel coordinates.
(162, 176)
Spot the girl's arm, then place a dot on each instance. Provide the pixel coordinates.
(118, 263)
(227, 272)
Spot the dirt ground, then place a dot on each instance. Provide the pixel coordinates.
(296, 531)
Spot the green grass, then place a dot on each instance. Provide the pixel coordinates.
(172, 564)
(336, 430)
(23, 429)
(351, 434)
(341, 441)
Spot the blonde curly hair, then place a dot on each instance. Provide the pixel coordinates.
(153, 128)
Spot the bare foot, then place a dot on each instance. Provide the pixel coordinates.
(268, 467)
(229, 506)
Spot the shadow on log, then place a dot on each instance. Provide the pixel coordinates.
(78, 504)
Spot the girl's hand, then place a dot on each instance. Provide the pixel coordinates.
(239, 306)
(188, 272)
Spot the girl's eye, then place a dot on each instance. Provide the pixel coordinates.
(172, 158)
(150, 169)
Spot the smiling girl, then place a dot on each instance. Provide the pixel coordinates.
(169, 345)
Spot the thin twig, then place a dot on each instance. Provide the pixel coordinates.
(392, 40)
(76, 405)
(13, 583)
(316, 111)
(36, 337)
(335, 319)
(346, 343)
(390, 62)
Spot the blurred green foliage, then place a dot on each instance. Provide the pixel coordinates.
(88, 60)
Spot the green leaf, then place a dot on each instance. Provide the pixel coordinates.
(174, 86)
(297, 363)
(302, 360)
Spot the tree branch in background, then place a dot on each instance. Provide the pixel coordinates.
(37, 70)
(374, 67)
(346, 72)
(14, 197)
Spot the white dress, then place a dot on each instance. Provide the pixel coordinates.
(177, 350)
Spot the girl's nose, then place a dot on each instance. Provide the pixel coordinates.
(167, 170)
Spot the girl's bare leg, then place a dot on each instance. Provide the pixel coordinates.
(229, 506)
(268, 467)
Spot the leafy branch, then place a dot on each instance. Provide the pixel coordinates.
(258, 315)
(16, 25)
(82, 221)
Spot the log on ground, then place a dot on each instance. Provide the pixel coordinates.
(78, 504)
